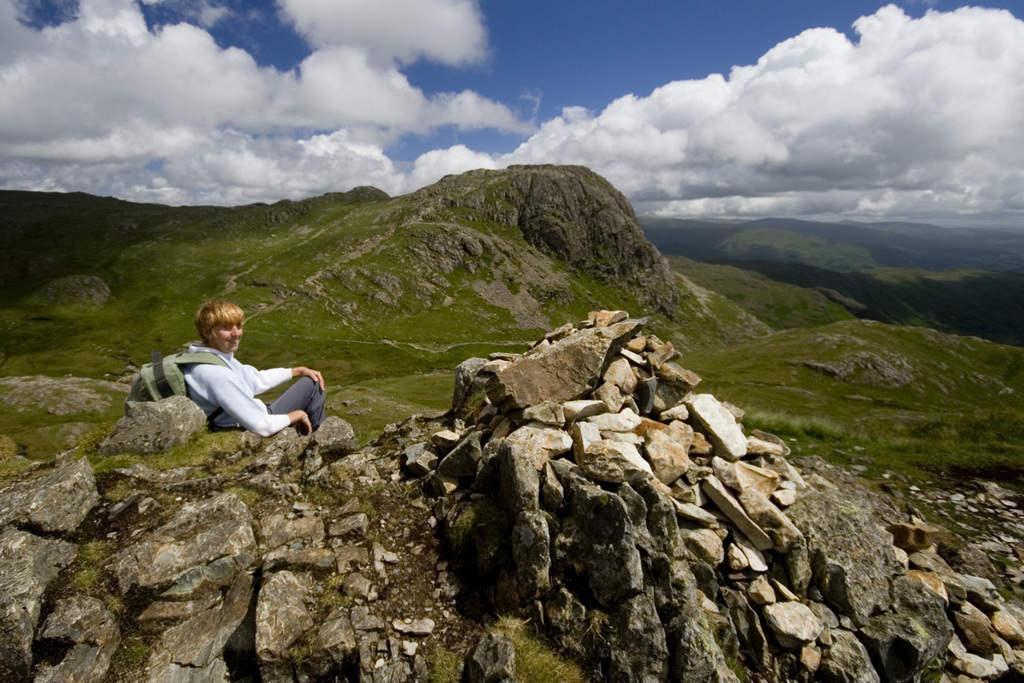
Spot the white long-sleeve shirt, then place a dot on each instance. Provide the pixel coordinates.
(234, 388)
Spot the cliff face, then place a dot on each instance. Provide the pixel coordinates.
(573, 214)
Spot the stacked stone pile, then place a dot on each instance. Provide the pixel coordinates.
(645, 531)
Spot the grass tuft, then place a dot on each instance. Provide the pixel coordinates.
(535, 661)
(444, 667)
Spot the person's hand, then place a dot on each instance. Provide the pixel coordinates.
(300, 420)
(314, 375)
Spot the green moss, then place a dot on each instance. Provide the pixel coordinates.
(8, 448)
(133, 653)
(248, 496)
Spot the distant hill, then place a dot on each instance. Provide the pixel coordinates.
(899, 273)
(969, 302)
(843, 247)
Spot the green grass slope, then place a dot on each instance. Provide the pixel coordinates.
(777, 304)
(899, 396)
(385, 295)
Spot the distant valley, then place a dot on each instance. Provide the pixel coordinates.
(961, 281)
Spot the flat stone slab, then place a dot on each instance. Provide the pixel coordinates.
(732, 509)
(565, 371)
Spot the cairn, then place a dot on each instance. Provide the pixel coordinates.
(593, 489)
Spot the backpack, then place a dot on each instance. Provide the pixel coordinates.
(163, 377)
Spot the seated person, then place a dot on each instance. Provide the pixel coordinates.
(228, 394)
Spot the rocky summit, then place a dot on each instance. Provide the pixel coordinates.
(587, 487)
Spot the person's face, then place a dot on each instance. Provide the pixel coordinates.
(225, 338)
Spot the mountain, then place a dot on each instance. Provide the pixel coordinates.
(842, 263)
(845, 246)
(385, 294)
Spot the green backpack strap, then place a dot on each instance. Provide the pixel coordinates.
(163, 387)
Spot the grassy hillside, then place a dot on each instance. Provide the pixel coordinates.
(388, 294)
(894, 397)
(777, 304)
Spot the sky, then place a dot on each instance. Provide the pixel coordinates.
(719, 109)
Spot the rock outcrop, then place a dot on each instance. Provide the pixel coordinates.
(573, 214)
(625, 514)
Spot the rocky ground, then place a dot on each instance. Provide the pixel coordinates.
(593, 493)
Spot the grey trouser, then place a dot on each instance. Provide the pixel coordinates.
(303, 395)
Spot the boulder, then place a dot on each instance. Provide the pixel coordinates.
(469, 385)
(912, 536)
(620, 373)
(748, 627)
(566, 619)
(198, 643)
(770, 518)
(518, 481)
(911, 634)
(492, 660)
(281, 615)
(280, 528)
(668, 457)
(57, 501)
(531, 542)
(623, 421)
(564, 371)
(462, 461)
(154, 426)
(547, 413)
(335, 438)
(28, 564)
(88, 627)
(732, 509)
(611, 461)
(204, 543)
(793, 623)
(597, 540)
(638, 650)
(719, 425)
(851, 560)
(847, 661)
(420, 459)
(538, 442)
(336, 638)
(975, 630)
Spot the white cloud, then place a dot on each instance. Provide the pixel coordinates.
(89, 103)
(915, 118)
(435, 164)
(918, 116)
(446, 31)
